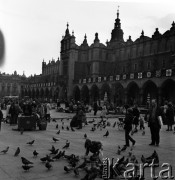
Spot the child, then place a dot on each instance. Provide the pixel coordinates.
(142, 123)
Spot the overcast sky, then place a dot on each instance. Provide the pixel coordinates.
(33, 29)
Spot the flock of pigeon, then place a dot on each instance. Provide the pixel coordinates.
(92, 165)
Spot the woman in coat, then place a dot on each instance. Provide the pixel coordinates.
(170, 116)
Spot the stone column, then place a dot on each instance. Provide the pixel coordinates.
(140, 96)
(125, 96)
(159, 100)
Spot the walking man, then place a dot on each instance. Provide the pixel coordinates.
(128, 127)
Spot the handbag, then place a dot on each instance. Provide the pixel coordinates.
(160, 121)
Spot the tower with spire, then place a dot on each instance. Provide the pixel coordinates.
(117, 32)
(68, 56)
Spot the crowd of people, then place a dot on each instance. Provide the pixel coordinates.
(155, 117)
(28, 107)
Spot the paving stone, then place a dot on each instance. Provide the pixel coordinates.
(10, 166)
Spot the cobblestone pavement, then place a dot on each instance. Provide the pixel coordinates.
(10, 166)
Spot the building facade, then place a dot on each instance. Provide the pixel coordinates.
(10, 85)
(49, 85)
(128, 71)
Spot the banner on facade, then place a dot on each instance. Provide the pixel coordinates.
(99, 79)
(124, 76)
(89, 80)
(140, 75)
(169, 72)
(117, 77)
(84, 80)
(105, 78)
(148, 74)
(111, 78)
(132, 76)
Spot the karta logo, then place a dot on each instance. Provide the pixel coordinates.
(106, 168)
(113, 169)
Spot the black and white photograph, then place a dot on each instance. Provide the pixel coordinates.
(87, 89)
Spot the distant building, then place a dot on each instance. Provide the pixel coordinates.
(10, 85)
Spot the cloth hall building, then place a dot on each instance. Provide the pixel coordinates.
(127, 71)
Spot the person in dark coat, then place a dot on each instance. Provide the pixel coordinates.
(95, 108)
(12, 112)
(154, 123)
(170, 116)
(128, 127)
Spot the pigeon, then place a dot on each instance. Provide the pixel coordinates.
(85, 135)
(26, 168)
(62, 127)
(114, 124)
(108, 124)
(17, 152)
(54, 120)
(67, 169)
(119, 150)
(31, 142)
(57, 156)
(52, 149)
(58, 132)
(67, 128)
(55, 152)
(55, 139)
(67, 145)
(143, 159)
(72, 128)
(91, 121)
(48, 165)
(44, 158)
(25, 161)
(35, 153)
(130, 153)
(123, 148)
(143, 133)
(57, 126)
(93, 129)
(107, 134)
(83, 165)
(5, 150)
(76, 172)
(21, 131)
(121, 160)
(47, 158)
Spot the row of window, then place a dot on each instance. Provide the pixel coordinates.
(148, 66)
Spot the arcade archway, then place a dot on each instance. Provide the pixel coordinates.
(105, 89)
(85, 94)
(168, 90)
(150, 91)
(94, 93)
(132, 93)
(76, 93)
(118, 94)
